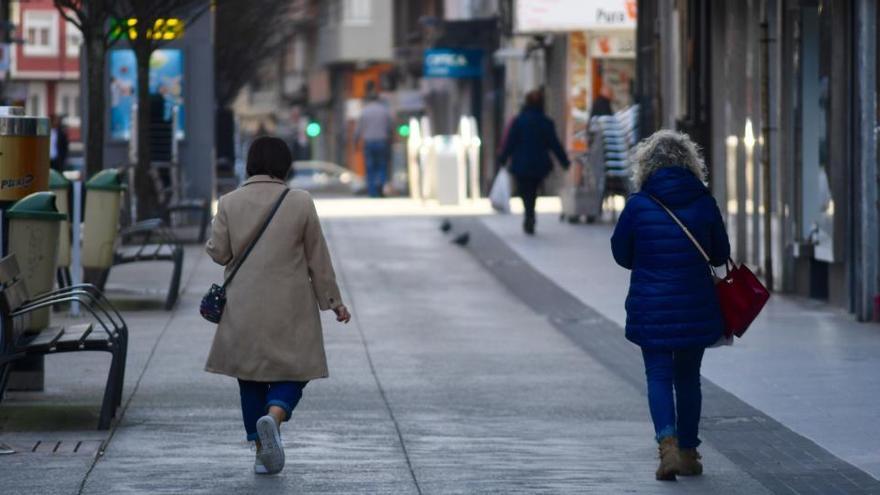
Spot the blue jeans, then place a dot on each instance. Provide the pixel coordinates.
(376, 158)
(257, 397)
(678, 371)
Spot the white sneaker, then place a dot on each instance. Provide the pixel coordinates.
(259, 468)
(271, 452)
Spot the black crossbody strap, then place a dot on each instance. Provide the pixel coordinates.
(257, 238)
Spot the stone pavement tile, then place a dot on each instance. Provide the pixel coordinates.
(182, 432)
(809, 366)
(486, 394)
(490, 398)
(732, 426)
(67, 410)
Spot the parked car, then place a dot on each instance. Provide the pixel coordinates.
(325, 177)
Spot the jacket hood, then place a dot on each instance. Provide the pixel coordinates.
(665, 148)
(675, 186)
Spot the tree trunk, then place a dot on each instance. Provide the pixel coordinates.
(96, 53)
(145, 187)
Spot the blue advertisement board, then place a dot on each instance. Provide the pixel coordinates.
(166, 79)
(455, 63)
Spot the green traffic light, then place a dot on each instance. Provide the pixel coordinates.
(403, 130)
(313, 129)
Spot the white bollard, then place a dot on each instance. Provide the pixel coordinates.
(76, 245)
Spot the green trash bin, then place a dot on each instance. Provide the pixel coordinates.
(59, 185)
(34, 226)
(101, 222)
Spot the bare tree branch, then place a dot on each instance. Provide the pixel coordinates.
(249, 33)
(91, 18)
(140, 35)
(72, 12)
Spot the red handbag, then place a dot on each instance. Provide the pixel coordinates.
(740, 294)
(742, 297)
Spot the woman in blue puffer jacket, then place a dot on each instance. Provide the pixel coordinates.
(672, 310)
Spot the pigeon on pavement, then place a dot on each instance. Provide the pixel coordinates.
(462, 239)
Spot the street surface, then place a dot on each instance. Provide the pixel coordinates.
(499, 367)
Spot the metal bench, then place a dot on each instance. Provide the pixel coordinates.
(107, 333)
(150, 240)
(197, 206)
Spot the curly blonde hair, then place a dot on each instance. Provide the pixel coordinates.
(665, 148)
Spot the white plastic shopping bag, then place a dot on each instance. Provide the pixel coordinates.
(499, 195)
(723, 341)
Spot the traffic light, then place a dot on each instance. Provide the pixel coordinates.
(313, 129)
(403, 130)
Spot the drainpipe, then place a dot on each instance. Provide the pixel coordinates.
(866, 261)
(766, 176)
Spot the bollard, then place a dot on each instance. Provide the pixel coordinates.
(449, 169)
(59, 185)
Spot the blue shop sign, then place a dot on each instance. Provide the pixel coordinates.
(454, 63)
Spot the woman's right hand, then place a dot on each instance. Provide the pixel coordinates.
(342, 314)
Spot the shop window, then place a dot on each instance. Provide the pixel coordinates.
(41, 33)
(817, 207)
(67, 103)
(34, 106)
(357, 12)
(73, 40)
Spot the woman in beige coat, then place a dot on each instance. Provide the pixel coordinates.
(270, 335)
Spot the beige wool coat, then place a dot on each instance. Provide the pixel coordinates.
(271, 327)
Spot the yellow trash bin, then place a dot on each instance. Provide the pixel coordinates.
(33, 237)
(24, 154)
(101, 223)
(59, 185)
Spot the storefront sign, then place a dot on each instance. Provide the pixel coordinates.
(613, 45)
(455, 63)
(574, 15)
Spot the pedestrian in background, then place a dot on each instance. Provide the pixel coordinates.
(672, 311)
(59, 144)
(530, 139)
(602, 103)
(374, 132)
(270, 335)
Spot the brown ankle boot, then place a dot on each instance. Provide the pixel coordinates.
(689, 463)
(669, 459)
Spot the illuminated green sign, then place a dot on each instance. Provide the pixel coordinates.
(163, 29)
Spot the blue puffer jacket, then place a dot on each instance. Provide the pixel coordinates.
(671, 303)
(530, 139)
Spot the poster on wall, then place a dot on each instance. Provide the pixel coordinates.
(166, 80)
(578, 98)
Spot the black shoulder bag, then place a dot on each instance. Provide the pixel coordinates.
(214, 301)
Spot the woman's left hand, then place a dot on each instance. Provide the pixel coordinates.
(342, 314)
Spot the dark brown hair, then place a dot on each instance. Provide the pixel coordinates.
(535, 99)
(269, 155)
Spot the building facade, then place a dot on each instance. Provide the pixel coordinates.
(573, 49)
(788, 126)
(44, 67)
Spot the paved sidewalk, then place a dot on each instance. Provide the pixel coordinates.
(445, 382)
(809, 366)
